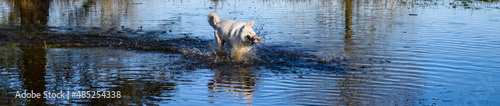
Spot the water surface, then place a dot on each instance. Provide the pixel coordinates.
(331, 52)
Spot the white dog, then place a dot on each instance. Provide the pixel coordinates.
(238, 35)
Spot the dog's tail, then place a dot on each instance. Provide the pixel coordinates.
(213, 19)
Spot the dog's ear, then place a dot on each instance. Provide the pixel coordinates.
(249, 24)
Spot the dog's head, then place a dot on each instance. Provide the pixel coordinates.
(248, 35)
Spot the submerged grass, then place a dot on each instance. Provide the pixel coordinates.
(197, 52)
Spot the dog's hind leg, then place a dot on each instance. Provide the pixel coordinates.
(220, 42)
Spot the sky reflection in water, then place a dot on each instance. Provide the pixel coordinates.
(314, 53)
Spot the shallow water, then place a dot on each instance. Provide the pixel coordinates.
(314, 53)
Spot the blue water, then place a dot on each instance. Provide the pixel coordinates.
(314, 53)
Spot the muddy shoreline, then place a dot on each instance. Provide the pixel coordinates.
(21, 37)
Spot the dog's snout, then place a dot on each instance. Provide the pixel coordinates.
(248, 37)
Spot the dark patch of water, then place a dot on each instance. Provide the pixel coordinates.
(315, 52)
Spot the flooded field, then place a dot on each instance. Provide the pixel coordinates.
(319, 52)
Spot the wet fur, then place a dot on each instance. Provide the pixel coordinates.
(238, 35)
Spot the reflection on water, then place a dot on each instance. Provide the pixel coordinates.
(328, 52)
(234, 80)
(34, 64)
(30, 12)
(92, 70)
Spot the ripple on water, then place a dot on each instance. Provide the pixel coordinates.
(314, 56)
